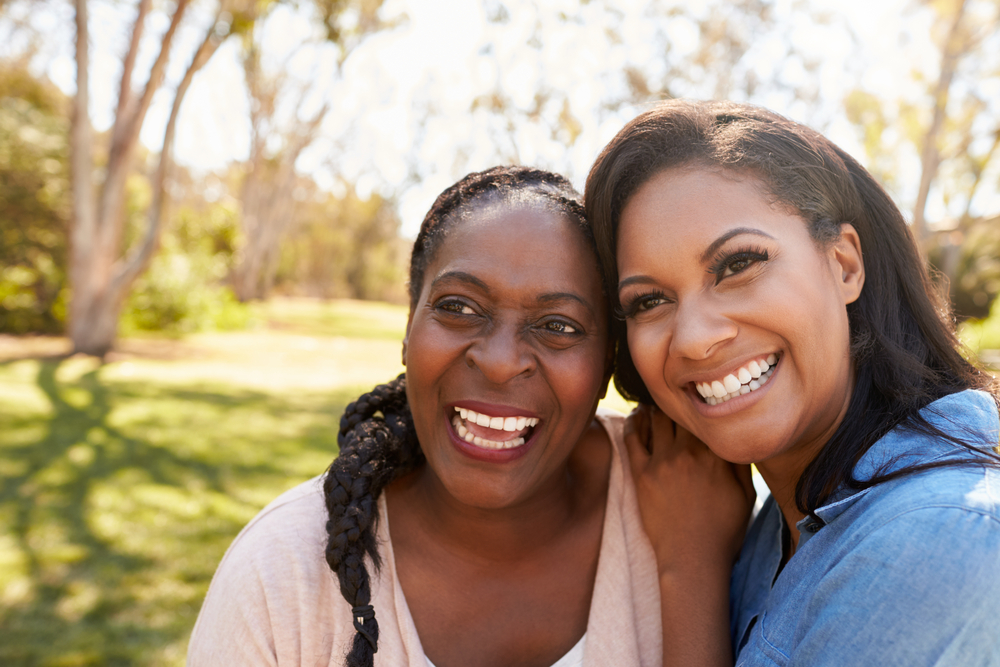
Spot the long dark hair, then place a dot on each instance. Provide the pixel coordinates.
(903, 343)
(377, 440)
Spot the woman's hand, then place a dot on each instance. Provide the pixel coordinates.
(695, 508)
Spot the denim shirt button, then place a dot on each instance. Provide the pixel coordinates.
(813, 527)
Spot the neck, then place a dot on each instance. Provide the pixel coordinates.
(782, 484)
(493, 534)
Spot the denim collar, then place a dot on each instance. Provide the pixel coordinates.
(966, 414)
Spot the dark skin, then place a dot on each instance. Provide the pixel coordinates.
(534, 565)
(497, 559)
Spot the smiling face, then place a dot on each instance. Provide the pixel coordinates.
(737, 319)
(506, 353)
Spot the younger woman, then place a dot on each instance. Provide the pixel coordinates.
(777, 309)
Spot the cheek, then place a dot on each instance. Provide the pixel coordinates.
(647, 346)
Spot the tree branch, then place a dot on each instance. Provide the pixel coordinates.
(130, 268)
(930, 158)
(123, 142)
(128, 65)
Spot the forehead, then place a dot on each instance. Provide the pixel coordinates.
(526, 248)
(684, 210)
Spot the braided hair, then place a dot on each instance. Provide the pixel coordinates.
(377, 440)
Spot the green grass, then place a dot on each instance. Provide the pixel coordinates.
(122, 484)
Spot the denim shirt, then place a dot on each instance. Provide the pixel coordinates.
(904, 573)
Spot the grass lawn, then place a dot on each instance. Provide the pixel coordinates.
(122, 484)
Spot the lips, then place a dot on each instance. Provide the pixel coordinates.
(748, 378)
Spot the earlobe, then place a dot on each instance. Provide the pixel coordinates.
(849, 262)
(406, 336)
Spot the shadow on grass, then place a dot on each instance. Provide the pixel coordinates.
(119, 512)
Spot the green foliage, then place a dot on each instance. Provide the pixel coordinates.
(972, 258)
(183, 289)
(34, 190)
(983, 334)
(345, 248)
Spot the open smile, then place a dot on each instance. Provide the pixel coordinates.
(749, 378)
(489, 432)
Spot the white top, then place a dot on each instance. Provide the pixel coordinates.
(274, 601)
(573, 657)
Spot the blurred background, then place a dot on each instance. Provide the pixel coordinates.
(206, 209)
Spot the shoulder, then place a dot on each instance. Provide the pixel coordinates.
(294, 522)
(272, 585)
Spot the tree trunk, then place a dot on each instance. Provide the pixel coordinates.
(99, 276)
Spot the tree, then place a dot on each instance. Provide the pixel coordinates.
(269, 207)
(266, 197)
(100, 272)
(952, 127)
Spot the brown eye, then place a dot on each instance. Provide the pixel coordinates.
(558, 326)
(736, 266)
(456, 307)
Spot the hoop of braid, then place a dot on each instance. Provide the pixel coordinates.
(374, 450)
(377, 440)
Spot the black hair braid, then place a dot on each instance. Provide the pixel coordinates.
(377, 444)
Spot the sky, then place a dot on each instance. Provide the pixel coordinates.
(407, 115)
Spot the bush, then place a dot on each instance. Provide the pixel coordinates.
(183, 290)
(983, 334)
(34, 193)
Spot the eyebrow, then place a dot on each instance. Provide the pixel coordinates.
(558, 297)
(543, 299)
(719, 242)
(705, 256)
(463, 277)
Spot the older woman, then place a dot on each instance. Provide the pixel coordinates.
(777, 310)
(515, 534)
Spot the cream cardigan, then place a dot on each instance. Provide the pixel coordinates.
(274, 601)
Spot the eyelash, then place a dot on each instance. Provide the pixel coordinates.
(634, 305)
(724, 260)
(751, 255)
(454, 307)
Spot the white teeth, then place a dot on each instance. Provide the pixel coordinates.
(747, 379)
(509, 424)
(485, 443)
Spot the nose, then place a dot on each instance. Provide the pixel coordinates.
(501, 354)
(700, 328)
